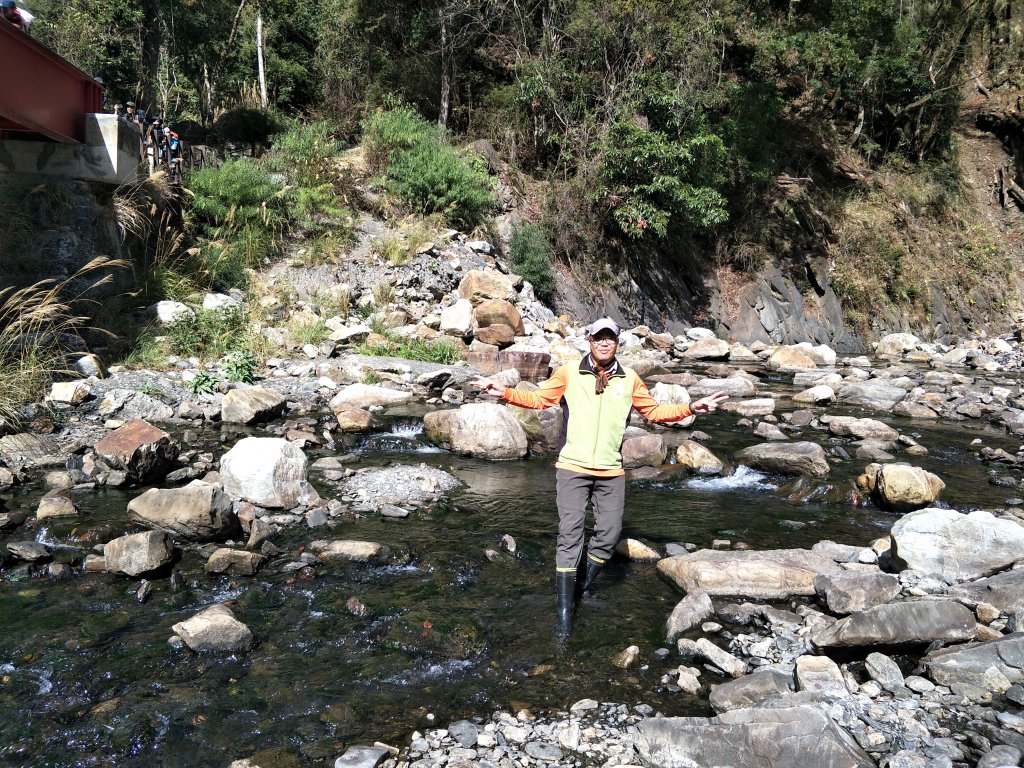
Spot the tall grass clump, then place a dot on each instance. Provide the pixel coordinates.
(441, 351)
(428, 175)
(308, 155)
(38, 327)
(530, 254)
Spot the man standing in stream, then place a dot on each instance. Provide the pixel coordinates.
(597, 397)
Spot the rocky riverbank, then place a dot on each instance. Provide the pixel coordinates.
(901, 651)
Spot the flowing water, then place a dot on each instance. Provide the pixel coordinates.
(87, 677)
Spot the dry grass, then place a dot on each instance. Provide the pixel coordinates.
(37, 324)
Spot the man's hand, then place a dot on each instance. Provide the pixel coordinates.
(488, 387)
(708, 404)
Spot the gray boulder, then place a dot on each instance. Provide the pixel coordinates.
(144, 452)
(766, 575)
(900, 487)
(356, 551)
(267, 471)
(362, 757)
(794, 737)
(198, 512)
(820, 675)
(884, 671)
(870, 394)
(853, 591)
(762, 406)
(137, 554)
(800, 458)
(957, 547)
(733, 386)
(688, 613)
(643, 451)
(918, 622)
(750, 690)
(483, 430)
(970, 664)
(249, 405)
(862, 429)
(698, 459)
(214, 630)
(1005, 591)
(365, 395)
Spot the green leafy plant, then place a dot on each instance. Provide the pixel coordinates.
(209, 334)
(372, 377)
(530, 254)
(203, 383)
(239, 365)
(387, 132)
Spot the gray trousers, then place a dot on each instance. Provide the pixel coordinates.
(572, 492)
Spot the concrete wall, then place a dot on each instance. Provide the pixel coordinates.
(110, 155)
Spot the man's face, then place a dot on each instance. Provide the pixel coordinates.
(10, 14)
(603, 346)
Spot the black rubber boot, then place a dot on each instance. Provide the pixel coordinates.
(565, 586)
(591, 574)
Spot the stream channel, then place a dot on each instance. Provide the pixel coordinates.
(87, 677)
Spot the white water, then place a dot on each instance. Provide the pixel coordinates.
(743, 477)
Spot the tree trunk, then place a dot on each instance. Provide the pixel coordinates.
(264, 99)
(151, 39)
(446, 83)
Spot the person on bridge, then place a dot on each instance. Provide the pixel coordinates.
(597, 397)
(14, 15)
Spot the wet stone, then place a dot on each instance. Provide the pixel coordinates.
(30, 551)
(540, 750)
(464, 732)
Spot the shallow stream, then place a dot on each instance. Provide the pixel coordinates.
(87, 677)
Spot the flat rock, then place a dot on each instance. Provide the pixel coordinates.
(762, 406)
(862, 429)
(365, 395)
(137, 554)
(766, 574)
(1004, 591)
(214, 630)
(251, 405)
(919, 622)
(969, 664)
(852, 592)
(199, 511)
(794, 737)
(144, 452)
(733, 386)
(750, 690)
(955, 546)
(29, 551)
(798, 458)
(357, 551)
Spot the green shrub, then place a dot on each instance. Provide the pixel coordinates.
(530, 253)
(386, 132)
(307, 152)
(203, 382)
(209, 334)
(433, 178)
(240, 365)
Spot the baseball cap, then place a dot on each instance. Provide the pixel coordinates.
(604, 324)
(7, 4)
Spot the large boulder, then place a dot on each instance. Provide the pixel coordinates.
(479, 285)
(912, 623)
(267, 471)
(900, 487)
(137, 554)
(953, 546)
(853, 591)
(198, 512)
(688, 613)
(498, 312)
(800, 458)
(871, 394)
(794, 737)
(643, 451)
(733, 386)
(1004, 591)
(789, 359)
(896, 344)
(366, 395)
(750, 690)
(249, 405)
(144, 452)
(708, 348)
(214, 630)
(862, 429)
(971, 664)
(483, 430)
(698, 459)
(457, 320)
(766, 575)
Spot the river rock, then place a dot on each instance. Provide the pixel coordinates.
(821, 675)
(250, 405)
(167, 312)
(267, 471)
(69, 392)
(799, 458)
(457, 320)
(870, 394)
(214, 630)
(807, 379)
(822, 354)
(708, 348)
(144, 452)
(137, 554)
(733, 386)
(762, 406)
(353, 419)
(636, 550)
(913, 410)
(851, 591)
(225, 560)
(54, 505)
(366, 395)
(688, 613)
(1004, 591)
(862, 429)
(29, 551)
(643, 451)
(698, 459)
(954, 546)
(970, 664)
(482, 430)
(357, 551)
(498, 312)
(789, 359)
(896, 344)
(750, 690)
(901, 487)
(918, 622)
(400, 484)
(198, 512)
(794, 737)
(479, 285)
(497, 335)
(127, 404)
(822, 393)
(766, 574)
(11, 520)
(362, 757)
(884, 671)
(627, 658)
